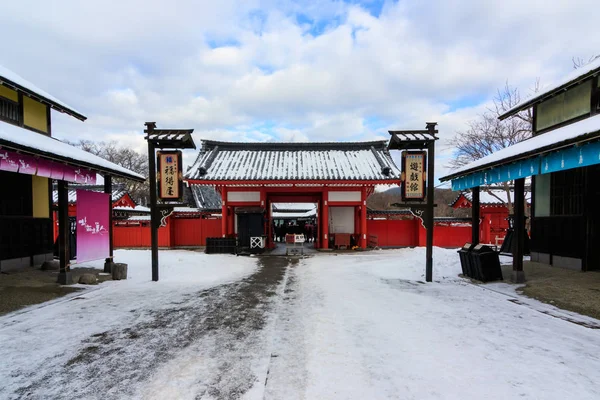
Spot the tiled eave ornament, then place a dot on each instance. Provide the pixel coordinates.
(572, 146)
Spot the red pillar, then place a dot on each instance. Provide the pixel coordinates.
(363, 219)
(224, 212)
(325, 222)
(231, 221)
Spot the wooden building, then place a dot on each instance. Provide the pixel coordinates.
(563, 158)
(250, 177)
(493, 212)
(30, 160)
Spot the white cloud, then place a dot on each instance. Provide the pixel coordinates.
(271, 77)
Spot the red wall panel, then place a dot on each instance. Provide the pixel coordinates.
(394, 233)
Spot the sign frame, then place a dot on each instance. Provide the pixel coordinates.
(160, 177)
(422, 175)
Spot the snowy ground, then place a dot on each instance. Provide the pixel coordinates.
(352, 326)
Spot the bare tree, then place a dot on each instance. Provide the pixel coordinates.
(579, 62)
(125, 157)
(487, 134)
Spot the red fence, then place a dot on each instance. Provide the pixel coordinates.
(194, 231)
(178, 232)
(394, 233)
(410, 233)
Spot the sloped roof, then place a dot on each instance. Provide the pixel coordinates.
(571, 79)
(491, 197)
(14, 137)
(116, 195)
(578, 132)
(293, 161)
(16, 82)
(205, 197)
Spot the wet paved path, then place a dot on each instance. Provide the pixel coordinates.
(211, 344)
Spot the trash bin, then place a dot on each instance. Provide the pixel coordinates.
(485, 264)
(465, 258)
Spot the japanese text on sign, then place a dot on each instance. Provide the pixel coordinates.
(414, 167)
(170, 172)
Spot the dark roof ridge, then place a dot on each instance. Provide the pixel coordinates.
(283, 146)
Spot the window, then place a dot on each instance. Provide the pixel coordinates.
(564, 107)
(9, 111)
(566, 192)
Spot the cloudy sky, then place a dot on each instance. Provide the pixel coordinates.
(282, 70)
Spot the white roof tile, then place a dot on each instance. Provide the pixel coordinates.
(292, 161)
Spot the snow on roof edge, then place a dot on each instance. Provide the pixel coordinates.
(555, 137)
(36, 142)
(12, 77)
(572, 77)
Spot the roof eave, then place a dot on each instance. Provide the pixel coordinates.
(94, 167)
(551, 93)
(555, 146)
(53, 104)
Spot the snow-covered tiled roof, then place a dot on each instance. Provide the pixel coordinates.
(115, 196)
(585, 129)
(28, 141)
(293, 161)
(140, 209)
(139, 218)
(494, 196)
(570, 79)
(206, 197)
(16, 82)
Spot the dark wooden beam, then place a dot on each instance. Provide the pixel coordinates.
(64, 274)
(475, 208)
(429, 212)
(518, 276)
(154, 217)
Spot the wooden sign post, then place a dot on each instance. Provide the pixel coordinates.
(418, 179)
(169, 177)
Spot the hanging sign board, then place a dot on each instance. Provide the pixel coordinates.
(413, 175)
(170, 176)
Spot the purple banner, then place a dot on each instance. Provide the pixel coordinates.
(69, 173)
(8, 161)
(44, 168)
(58, 170)
(92, 225)
(27, 164)
(89, 176)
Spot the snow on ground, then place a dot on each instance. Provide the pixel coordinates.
(47, 338)
(348, 326)
(364, 327)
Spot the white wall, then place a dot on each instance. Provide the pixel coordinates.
(243, 196)
(344, 196)
(341, 219)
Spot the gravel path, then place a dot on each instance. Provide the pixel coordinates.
(222, 326)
